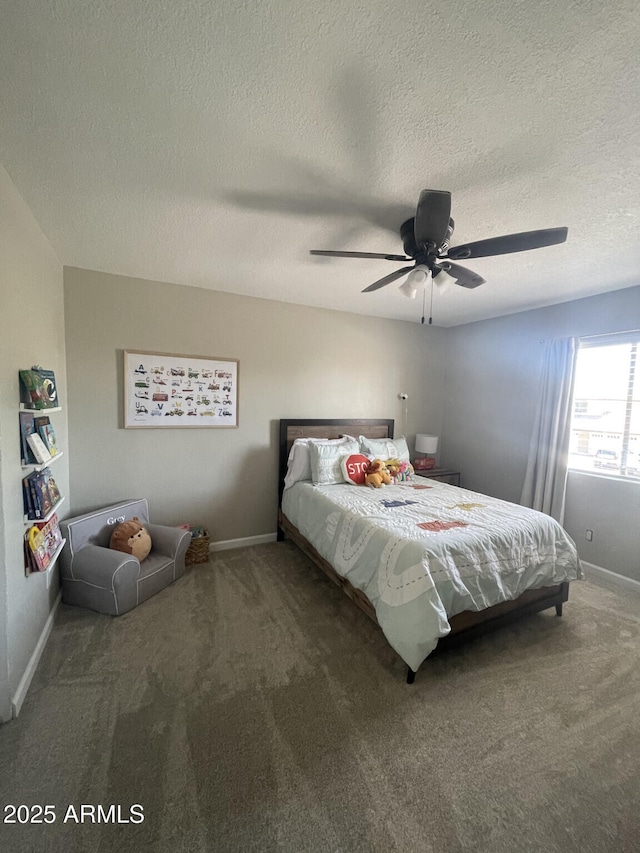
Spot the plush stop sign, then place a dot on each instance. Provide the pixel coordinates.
(354, 468)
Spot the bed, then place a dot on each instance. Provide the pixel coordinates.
(430, 563)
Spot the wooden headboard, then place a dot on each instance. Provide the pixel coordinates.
(292, 428)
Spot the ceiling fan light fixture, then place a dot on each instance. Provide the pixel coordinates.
(443, 281)
(416, 280)
(408, 289)
(419, 275)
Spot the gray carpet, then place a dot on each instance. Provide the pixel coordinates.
(252, 707)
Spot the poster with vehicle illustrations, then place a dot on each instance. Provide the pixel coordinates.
(170, 390)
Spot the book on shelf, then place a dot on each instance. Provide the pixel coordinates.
(31, 503)
(43, 497)
(40, 494)
(39, 448)
(42, 541)
(37, 552)
(32, 390)
(40, 420)
(27, 503)
(48, 436)
(38, 388)
(49, 382)
(52, 487)
(27, 427)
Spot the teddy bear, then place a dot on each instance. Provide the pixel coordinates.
(377, 474)
(131, 537)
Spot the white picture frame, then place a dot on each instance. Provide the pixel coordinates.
(168, 390)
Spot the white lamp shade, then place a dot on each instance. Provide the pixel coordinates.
(408, 290)
(419, 275)
(426, 443)
(443, 281)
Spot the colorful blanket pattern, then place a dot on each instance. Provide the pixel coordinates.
(438, 525)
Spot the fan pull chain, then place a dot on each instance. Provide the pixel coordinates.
(424, 297)
(431, 304)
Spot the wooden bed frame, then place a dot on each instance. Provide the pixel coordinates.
(465, 625)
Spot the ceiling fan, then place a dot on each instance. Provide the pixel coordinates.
(426, 239)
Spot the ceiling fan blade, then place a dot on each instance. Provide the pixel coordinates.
(432, 218)
(521, 242)
(358, 255)
(463, 276)
(394, 276)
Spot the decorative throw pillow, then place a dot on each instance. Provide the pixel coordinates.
(354, 468)
(385, 448)
(325, 461)
(299, 462)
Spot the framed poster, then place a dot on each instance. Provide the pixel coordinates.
(168, 390)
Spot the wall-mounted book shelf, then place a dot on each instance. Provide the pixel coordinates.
(38, 466)
(40, 494)
(48, 572)
(46, 518)
(24, 408)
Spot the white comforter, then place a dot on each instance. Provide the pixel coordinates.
(425, 551)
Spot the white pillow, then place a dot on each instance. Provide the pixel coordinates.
(326, 461)
(299, 462)
(385, 448)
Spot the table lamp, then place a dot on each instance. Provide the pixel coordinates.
(426, 444)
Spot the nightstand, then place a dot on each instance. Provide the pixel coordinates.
(443, 475)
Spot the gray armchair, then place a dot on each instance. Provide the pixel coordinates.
(99, 578)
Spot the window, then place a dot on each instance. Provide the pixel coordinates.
(605, 423)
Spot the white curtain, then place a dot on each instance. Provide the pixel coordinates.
(546, 478)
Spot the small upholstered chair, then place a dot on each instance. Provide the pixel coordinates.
(99, 578)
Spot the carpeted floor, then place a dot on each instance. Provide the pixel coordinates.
(252, 707)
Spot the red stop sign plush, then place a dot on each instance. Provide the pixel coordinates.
(354, 468)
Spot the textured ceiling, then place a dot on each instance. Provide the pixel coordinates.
(214, 144)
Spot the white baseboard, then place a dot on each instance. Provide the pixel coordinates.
(226, 544)
(611, 577)
(34, 660)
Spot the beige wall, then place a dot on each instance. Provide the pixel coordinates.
(294, 362)
(31, 332)
(492, 382)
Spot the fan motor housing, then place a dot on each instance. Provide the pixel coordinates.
(408, 238)
(410, 246)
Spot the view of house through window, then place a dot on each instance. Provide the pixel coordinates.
(605, 424)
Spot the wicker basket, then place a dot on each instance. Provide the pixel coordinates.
(198, 550)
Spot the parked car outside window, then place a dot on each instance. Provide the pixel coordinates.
(607, 459)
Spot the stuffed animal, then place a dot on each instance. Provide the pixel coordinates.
(406, 471)
(377, 474)
(393, 467)
(400, 471)
(131, 537)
